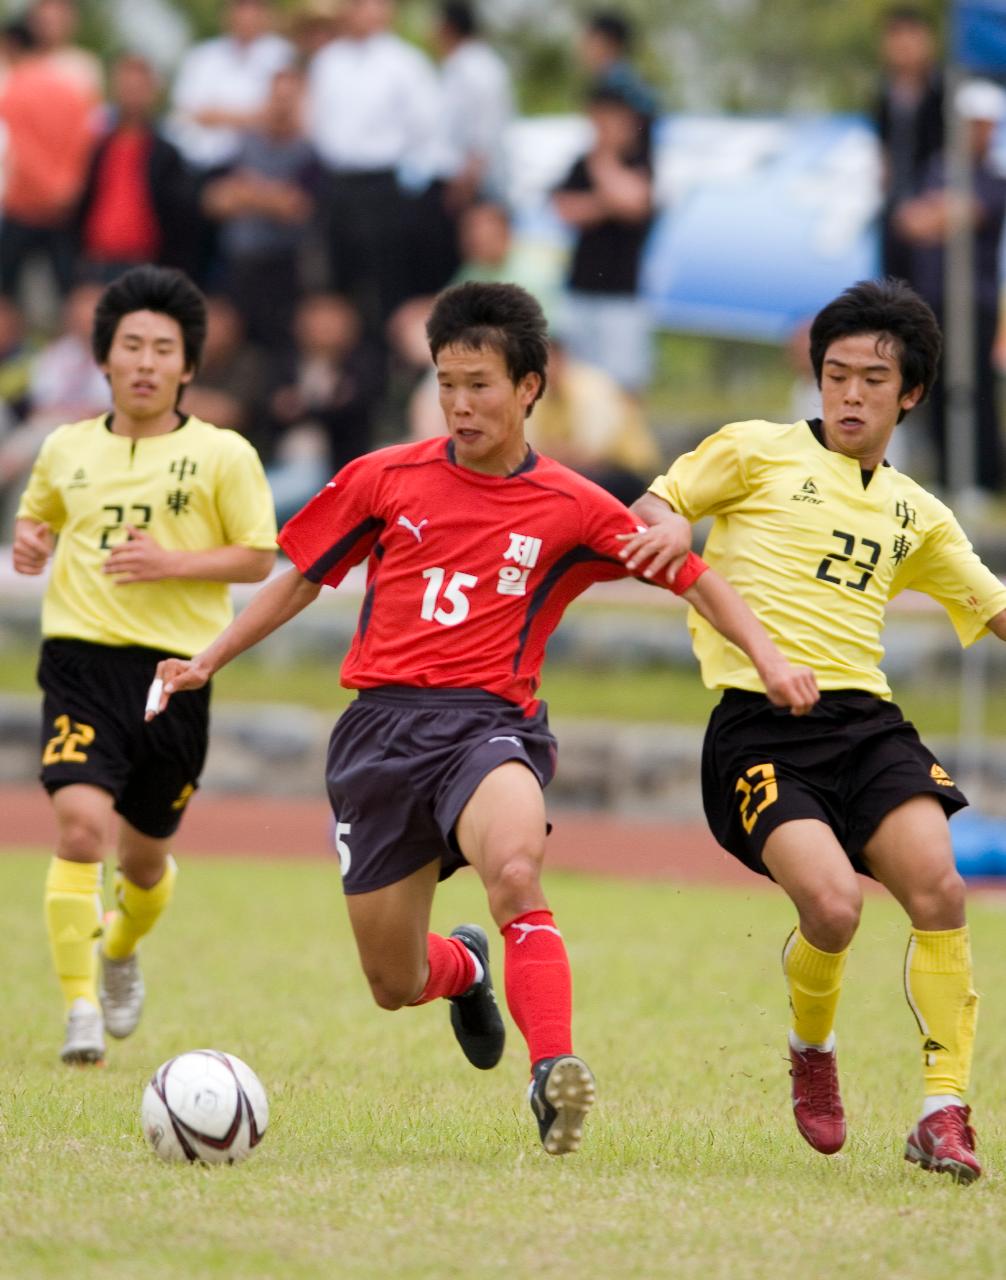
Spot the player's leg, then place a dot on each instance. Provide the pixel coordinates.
(806, 860)
(73, 913)
(144, 885)
(501, 832)
(910, 853)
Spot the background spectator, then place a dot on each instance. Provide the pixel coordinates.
(373, 111)
(926, 223)
(607, 200)
(222, 84)
(49, 139)
(604, 52)
(909, 117)
(54, 25)
(264, 204)
(323, 410)
(138, 203)
(312, 24)
(230, 385)
(477, 107)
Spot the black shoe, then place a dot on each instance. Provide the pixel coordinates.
(475, 1016)
(561, 1093)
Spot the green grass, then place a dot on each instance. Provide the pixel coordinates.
(387, 1155)
(671, 694)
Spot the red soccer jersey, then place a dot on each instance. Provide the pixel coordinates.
(468, 574)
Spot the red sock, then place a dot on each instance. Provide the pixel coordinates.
(539, 986)
(452, 968)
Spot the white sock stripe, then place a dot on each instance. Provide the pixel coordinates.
(923, 1026)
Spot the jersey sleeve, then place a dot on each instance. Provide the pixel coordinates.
(41, 500)
(710, 479)
(244, 501)
(604, 520)
(338, 527)
(947, 568)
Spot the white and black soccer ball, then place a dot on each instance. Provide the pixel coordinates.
(204, 1106)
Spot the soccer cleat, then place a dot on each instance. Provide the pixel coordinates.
(561, 1093)
(85, 1034)
(121, 993)
(944, 1142)
(475, 1016)
(817, 1103)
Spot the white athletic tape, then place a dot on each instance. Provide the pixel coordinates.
(154, 696)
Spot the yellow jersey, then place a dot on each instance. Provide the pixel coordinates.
(817, 553)
(193, 488)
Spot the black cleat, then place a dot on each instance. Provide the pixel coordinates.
(475, 1016)
(561, 1093)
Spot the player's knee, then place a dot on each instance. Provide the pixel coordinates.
(393, 991)
(515, 886)
(81, 838)
(938, 902)
(831, 918)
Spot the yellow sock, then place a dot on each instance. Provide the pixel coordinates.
(938, 984)
(73, 922)
(136, 911)
(815, 983)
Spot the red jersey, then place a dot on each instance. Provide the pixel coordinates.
(468, 574)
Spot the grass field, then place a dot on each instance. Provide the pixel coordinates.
(388, 1155)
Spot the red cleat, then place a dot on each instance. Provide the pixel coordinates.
(945, 1143)
(817, 1103)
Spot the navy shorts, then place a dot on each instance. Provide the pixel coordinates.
(848, 763)
(93, 731)
(404, 762)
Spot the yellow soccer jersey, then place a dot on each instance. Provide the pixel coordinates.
(816, 555)
(193, 488)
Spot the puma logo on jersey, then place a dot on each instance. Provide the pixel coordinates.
(415, 529)
(506, 737)
(525, 929)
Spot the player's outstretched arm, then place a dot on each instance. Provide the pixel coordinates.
(277, 602)
(663, 546)
(33, 545)
(785, 684)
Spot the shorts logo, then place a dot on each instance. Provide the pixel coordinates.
(940, 776)
(183, 798)
(758, 789)
(506, 737)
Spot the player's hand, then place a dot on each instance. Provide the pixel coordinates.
(174, 675)
(790, 686)
(661, 548)
(33, 545)
(140, 559)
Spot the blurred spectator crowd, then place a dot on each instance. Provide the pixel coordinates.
(320, 178)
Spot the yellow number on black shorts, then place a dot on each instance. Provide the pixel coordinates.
(65, 746)
(758, 789)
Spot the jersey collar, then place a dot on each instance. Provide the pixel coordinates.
(817, 428)
(183, 419)
(529, 463)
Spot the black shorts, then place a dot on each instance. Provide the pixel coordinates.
(849, 762)
(404, 762)
(93, 731)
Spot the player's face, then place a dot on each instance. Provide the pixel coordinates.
(861, 396)
(146, 365)
(483, 409)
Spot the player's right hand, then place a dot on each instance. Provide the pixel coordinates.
(793, 687)
(33, 545)
(177, 675)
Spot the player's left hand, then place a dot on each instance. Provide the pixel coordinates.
(793, 687)
(661, 548)
(140, 559)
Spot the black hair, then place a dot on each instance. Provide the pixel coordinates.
(907, 15)
(460, 17)
(891, 309)
(501, 317)
(19, 35)
(613, 26)
(146, 288)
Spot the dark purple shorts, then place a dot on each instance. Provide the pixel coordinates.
(404, 762)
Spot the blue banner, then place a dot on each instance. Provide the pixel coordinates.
(979, 34)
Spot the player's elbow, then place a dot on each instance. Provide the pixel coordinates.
(260, 565)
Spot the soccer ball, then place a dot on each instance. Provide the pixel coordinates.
(204, 1105)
